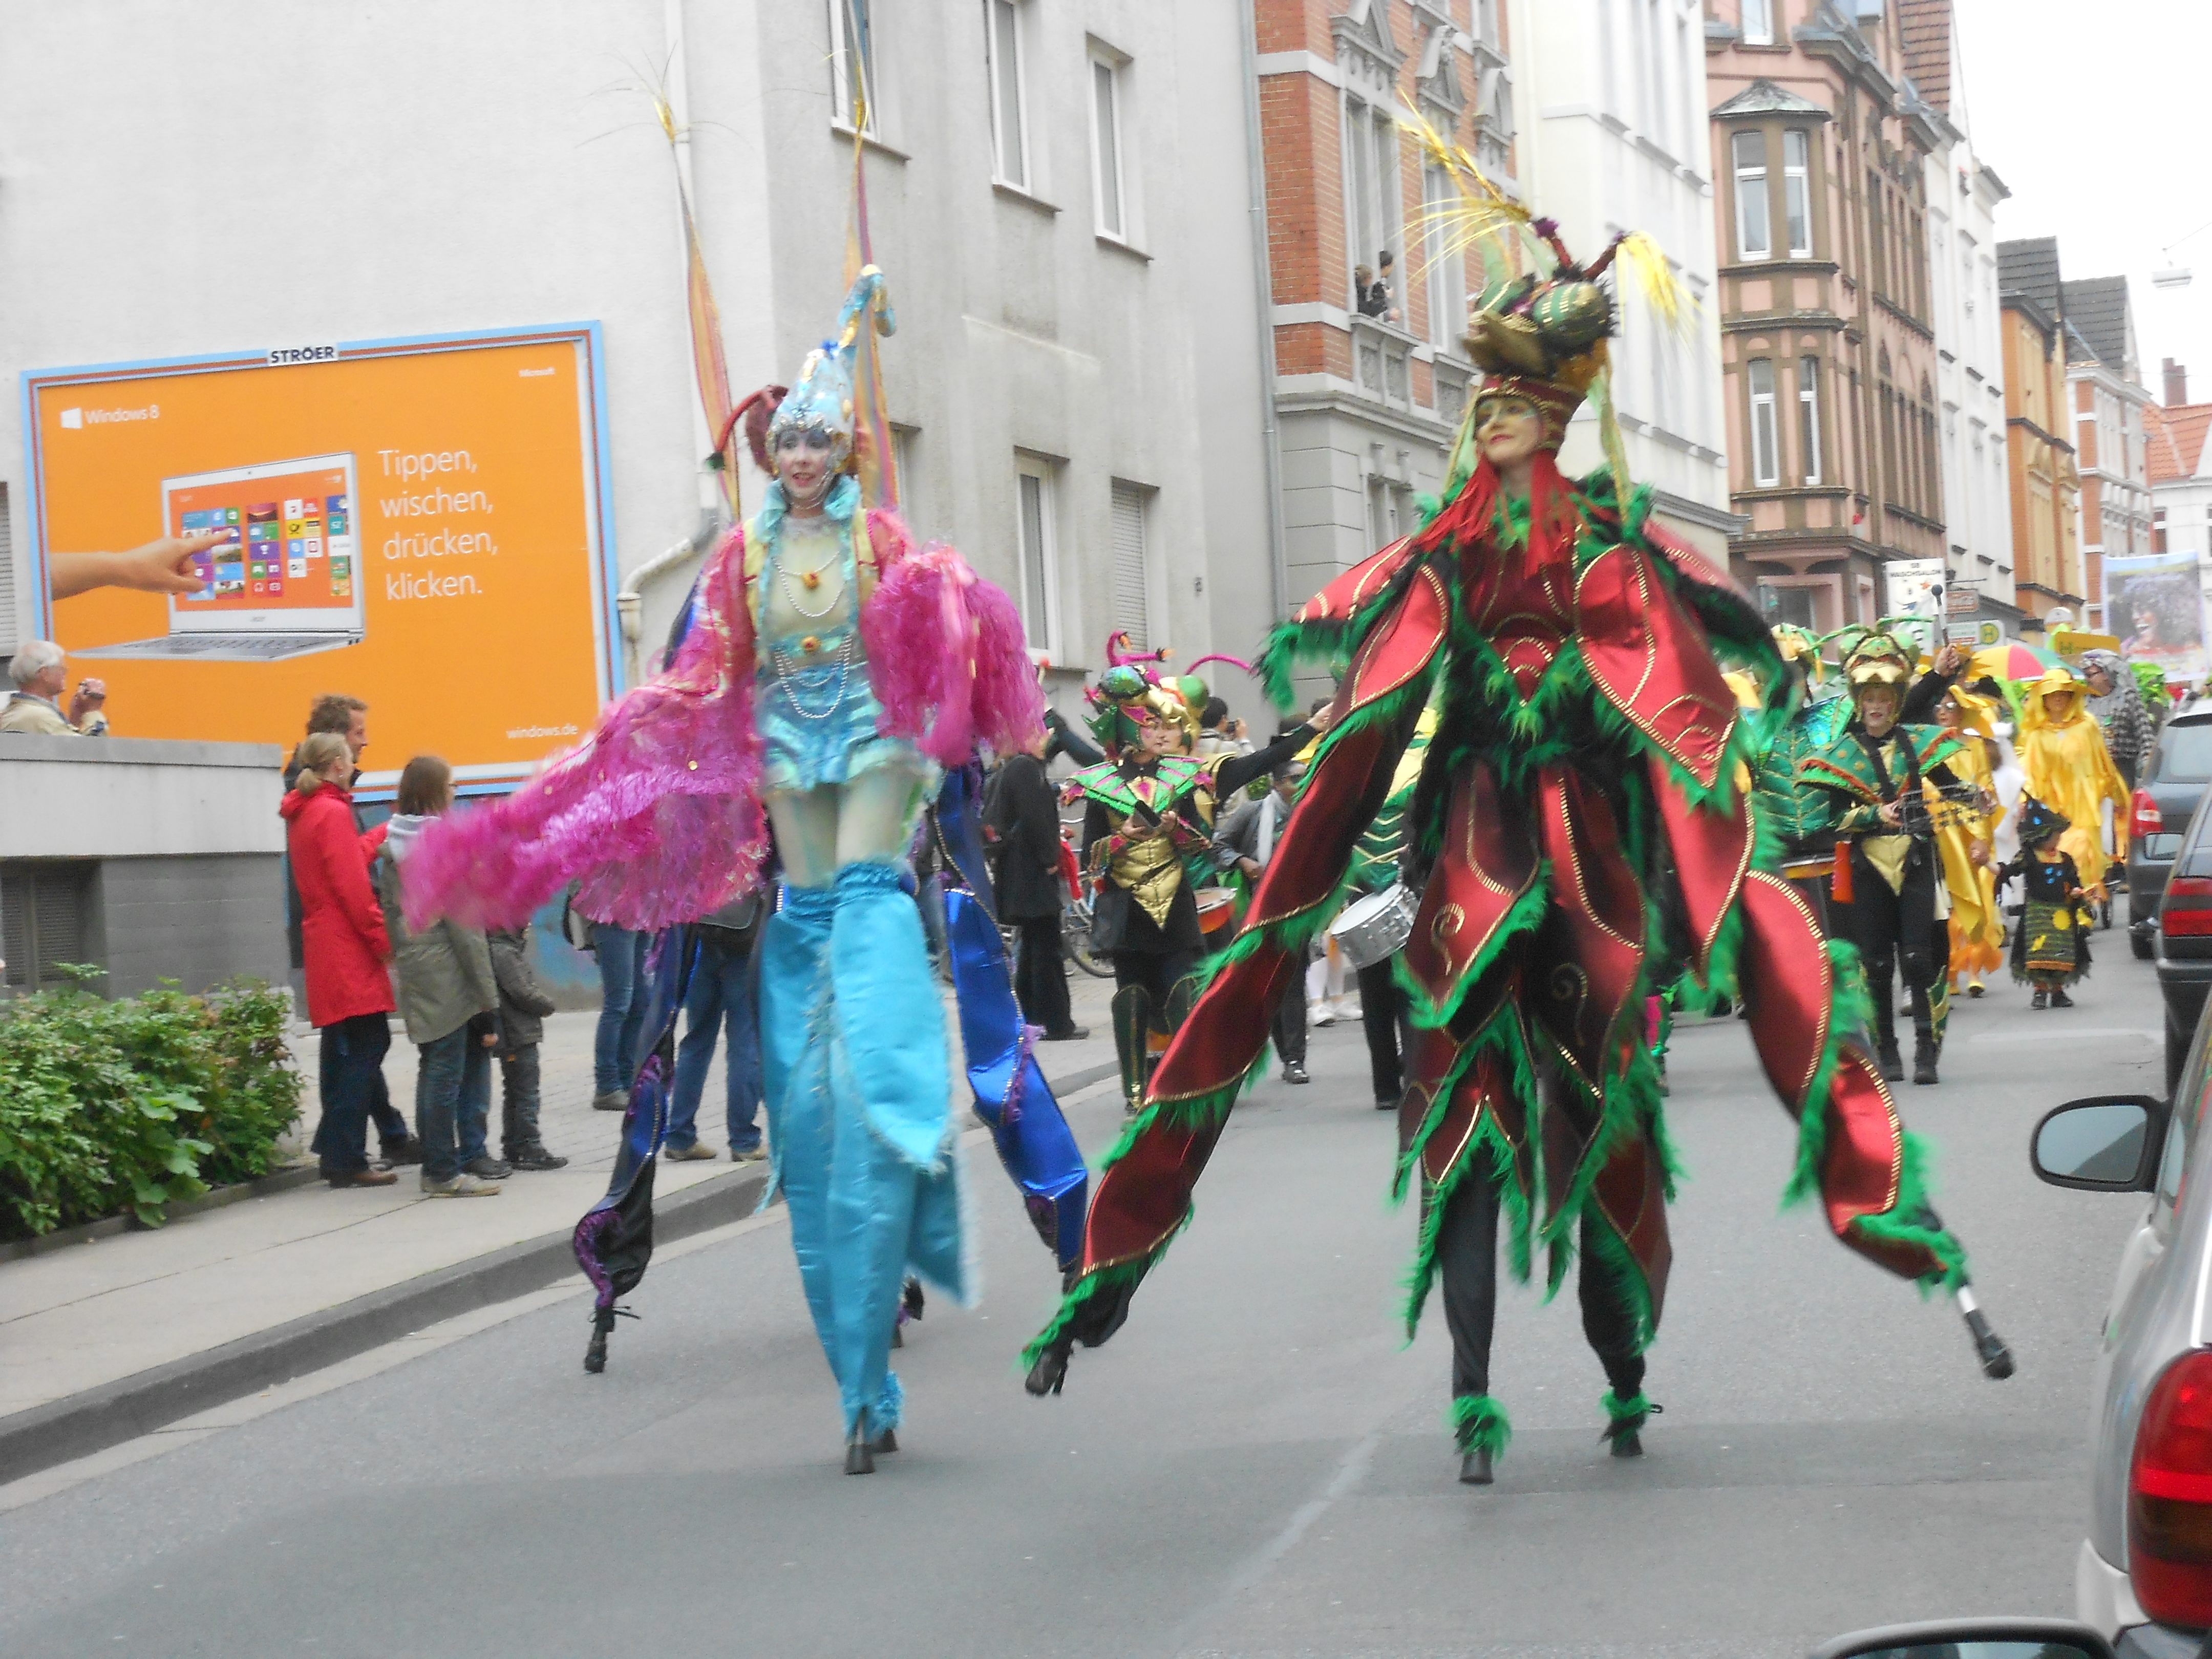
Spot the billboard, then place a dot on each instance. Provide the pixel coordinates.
(2156, 607)
(423, 524)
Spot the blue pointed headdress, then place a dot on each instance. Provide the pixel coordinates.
(821, 400)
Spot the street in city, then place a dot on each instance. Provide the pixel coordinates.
(1255, 1466)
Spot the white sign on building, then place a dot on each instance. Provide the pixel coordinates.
(1915, 587)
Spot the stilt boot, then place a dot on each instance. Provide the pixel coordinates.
(1132, 1025)
(1481, 1430)
(1625, 1420)
(859, 1454)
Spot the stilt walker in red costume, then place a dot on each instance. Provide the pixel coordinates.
(1586, 739)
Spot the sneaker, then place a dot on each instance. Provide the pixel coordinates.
(1323, 1015)
(360, 1177)
(535, 1157)
(1294, 1073)
(463, 1185)
(752, 1154)
(697, 1152)
(2060, 999)
(611, 1100)
(397, 1152)
(1072, 1034)
(488, 1168)
(2040, 1000)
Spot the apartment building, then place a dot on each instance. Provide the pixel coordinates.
(2107, 400)
(1827, 316)
(2046, 485)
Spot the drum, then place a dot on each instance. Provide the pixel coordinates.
(1217, 908)
(1376, 927)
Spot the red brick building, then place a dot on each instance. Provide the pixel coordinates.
(1370, 379)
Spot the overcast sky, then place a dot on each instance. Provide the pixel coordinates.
(2092, 115)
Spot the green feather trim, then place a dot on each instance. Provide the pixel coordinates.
(1122, 1273)
(1479, 1423)
(1614, 1256)
(1911, 1220)
(1526, 913)
(1848, 1012)
(1625, 1416)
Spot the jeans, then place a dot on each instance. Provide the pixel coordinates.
(1041, 976)
(391, 1122)
(351, 1077)
(518, 1101)
(622, 1005)
(452, 1103)
(1382, 1013)
(720, 996)
(1290, 1022)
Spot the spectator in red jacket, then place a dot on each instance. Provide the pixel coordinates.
(341, 925)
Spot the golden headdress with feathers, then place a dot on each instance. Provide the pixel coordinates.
(1538, 327)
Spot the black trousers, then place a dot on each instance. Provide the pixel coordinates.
(1382, 1013)
(1467, 1262)
(1041, 974)
(1289, 1031)
(518, 1099)
(1896, 930)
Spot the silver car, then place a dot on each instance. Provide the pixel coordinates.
(2144, 1574)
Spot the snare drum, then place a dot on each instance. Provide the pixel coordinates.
(1217, 908)
(1376, 927)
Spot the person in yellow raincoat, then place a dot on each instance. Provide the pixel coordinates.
(2061, 749)
(1965, 835)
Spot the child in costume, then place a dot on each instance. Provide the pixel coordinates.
(831, 670)
(1584, 723)
(2050, 951)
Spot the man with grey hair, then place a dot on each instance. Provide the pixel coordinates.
(34, 705)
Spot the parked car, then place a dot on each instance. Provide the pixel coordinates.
(2179, 772)
(2183, 939)
(2143, 1575)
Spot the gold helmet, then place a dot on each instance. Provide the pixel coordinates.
(1879, 660)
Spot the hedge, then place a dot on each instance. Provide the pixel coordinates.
(131, 1105)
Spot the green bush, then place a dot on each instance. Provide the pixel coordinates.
(131, 1105)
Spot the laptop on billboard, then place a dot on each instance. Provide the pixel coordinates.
(288, 582)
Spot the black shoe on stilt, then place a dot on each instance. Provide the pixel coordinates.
(1474, 1468)
(885, 1443)
(859, 1455)
(1625, 1421)
(1628, 1445)
(1051, 1370)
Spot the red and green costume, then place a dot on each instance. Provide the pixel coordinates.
(1585, 740)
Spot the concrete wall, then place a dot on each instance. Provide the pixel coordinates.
(182, 843)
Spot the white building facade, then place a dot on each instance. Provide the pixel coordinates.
(1076, 380)
(1613, 138)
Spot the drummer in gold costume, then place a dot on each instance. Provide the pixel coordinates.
(1149, 820)
(1965, 836)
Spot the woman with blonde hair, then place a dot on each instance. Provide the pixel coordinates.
(345, 949)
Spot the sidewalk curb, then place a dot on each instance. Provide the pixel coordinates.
(281, 1179)
(63, 1431)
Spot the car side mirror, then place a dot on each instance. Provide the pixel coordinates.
(1972, 1639)
(2104, 1143)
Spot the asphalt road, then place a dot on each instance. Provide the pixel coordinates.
(1254, 1467)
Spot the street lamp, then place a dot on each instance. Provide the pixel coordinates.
(2175, 275)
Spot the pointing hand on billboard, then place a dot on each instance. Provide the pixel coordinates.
(159, 566)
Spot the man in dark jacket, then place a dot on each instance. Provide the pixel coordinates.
(1025, 817)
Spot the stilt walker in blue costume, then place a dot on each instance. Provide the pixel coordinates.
(833, 669)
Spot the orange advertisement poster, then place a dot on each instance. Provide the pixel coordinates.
(419, 523)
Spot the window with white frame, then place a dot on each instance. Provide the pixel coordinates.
(1446, 264)
(1797, 191)
(1133, 609)
(1759, 22)
(1106, 75)
(1039, 576)
(852, 65)
(1754, 234)
(1371, 181)
(1002, 52)
(1808, 415)
(1766, 450)
(910, 504)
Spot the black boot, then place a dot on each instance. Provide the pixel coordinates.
(2059, 999)
(1132, 1025)
(1925, 1048)
(1881, 988)
(1625, 1417)
(2040, 1000)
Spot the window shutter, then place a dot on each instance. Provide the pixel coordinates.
(16, 927)
(1132, 615)
(44, 921)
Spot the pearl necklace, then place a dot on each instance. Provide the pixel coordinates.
(788, 678)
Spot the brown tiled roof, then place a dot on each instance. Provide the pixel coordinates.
(2175, 439)
(1927, 27)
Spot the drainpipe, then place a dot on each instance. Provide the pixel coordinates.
(630, 602)
(1270, 438)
